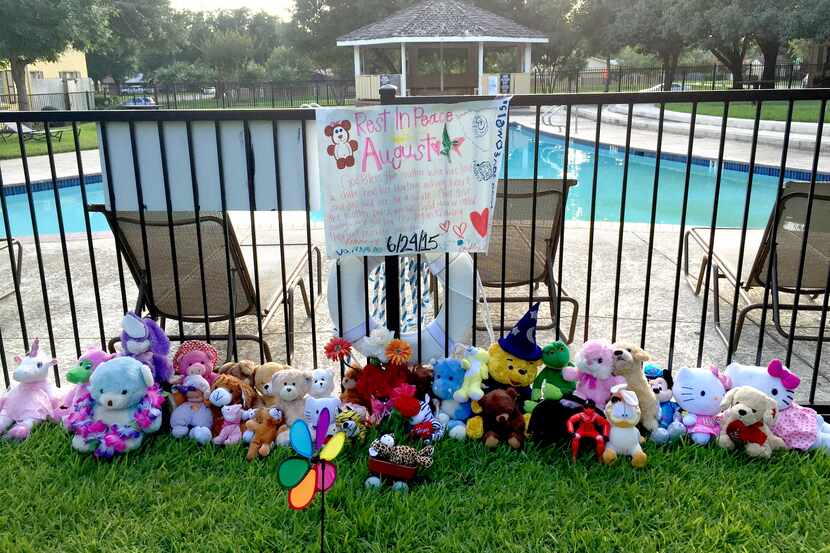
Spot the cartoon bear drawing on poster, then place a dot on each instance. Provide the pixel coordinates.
(342, 147)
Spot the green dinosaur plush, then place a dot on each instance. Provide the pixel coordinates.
(80, 373)
(549, 383)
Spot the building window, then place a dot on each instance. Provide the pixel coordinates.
(69, 75)
(36, 74)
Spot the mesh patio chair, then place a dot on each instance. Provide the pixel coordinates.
(221, 305)
(28, 133)
(551, 198)
(759, 249)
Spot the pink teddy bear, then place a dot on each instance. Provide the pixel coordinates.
(195, 358)
(593, 372)
(33, 400)
(231, 431)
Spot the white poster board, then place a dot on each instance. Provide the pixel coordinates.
(404, 179)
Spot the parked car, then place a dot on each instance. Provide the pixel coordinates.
(139, 102)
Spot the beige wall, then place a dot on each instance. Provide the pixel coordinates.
(519, 83)
(71, 60)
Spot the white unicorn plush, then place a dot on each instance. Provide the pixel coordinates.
(31, 401)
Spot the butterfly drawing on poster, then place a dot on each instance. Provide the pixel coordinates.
(448, 146)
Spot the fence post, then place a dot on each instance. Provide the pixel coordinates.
(272, 95)
(714, 74)
(390, 262)
(790, 79)
(619, 79)
(683, 82)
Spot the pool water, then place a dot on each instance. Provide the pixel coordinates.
(520, 159)
(640, 185)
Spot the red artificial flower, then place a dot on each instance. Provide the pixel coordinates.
(337, 348)
(407, 406)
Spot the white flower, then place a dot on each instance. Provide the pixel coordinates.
(375, 344)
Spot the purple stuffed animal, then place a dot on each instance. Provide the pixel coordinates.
(144, 340)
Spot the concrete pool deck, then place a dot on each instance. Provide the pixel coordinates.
(632, 287)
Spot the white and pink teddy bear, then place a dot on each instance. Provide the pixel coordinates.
(593, 373)
(800, 427)
(33, 400)
(231, 432)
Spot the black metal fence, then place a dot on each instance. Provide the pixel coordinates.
(217, 95)
(618, 252)
(688, 78)
(51, 102)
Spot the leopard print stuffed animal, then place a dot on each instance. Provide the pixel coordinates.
(385, 448)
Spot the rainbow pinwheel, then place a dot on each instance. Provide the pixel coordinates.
(308, 472)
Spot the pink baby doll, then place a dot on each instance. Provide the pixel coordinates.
(231, 431)
(195, 357)
(31, 401)
(592, 373)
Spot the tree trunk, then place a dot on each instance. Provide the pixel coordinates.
(769, 48)
(607, 72)
(19, 77)
(669, 69)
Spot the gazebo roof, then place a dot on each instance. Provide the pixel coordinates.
(444, 21)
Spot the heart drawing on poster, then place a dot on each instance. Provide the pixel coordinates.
(460, 229)
(480, 220)
(445, 226)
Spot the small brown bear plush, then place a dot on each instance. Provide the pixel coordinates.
(421, 377)
(502, 419)
(748, 415)
(349, 384)
(265, 425)
(243, 370)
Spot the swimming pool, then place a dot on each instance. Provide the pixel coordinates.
(520, 158)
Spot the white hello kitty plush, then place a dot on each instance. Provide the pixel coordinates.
(699, 392)
(800, 427)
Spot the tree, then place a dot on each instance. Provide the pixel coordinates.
(659, 27)
(726, 31)
(287, 65)
(225, 51)
(183, 72)
(136, 25)
(43, 29)
(596, 22)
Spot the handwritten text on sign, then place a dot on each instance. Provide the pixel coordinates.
(406, 179)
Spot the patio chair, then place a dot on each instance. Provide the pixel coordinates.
(758, 251)
(28, 132)
(551, 198)
(18, 263)
(221, 306)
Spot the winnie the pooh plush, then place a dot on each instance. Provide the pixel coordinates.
(515, 358)
(503, 420)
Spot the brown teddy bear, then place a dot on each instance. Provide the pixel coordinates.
(290, 387)
(262, 383)
(503, 420)
(421, 377)
(628, 363)
(243, 370)
(747, 415)
(265, 426)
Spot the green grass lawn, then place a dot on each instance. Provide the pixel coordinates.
(174, 496)
(10, 149)
(806, 110)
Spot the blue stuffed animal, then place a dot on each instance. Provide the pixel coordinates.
(118, 405)
(448, 377)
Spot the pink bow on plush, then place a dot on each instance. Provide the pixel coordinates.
(588, 379)
(380, 409)
(777, 369)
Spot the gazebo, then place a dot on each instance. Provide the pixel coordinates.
(438, 47)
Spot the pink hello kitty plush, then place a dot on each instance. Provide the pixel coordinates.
(699, 392)
(593, 372)
(800, 427)
(33, 400)
(231, 432)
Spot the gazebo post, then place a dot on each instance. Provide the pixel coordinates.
(356, 62)
(403, 69)
(528, 60)
(480, 68)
